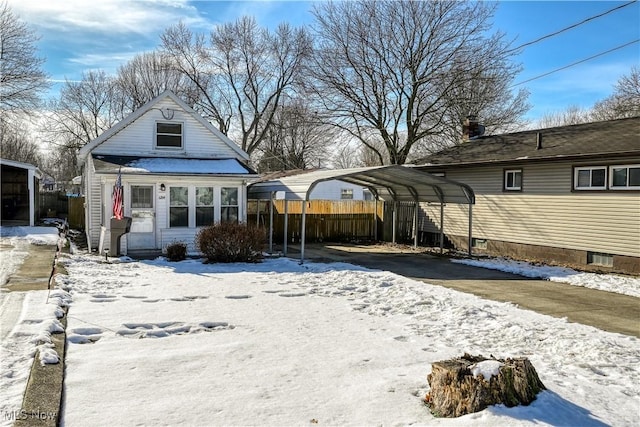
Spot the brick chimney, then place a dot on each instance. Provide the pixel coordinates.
(471, 128)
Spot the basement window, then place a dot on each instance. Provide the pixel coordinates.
(479, 243)
(599, 258)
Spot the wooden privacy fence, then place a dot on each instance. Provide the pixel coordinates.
(76, 212)
(327, 220)
(336, 220)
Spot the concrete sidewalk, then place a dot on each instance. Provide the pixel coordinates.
(604, 310)
(43, 393)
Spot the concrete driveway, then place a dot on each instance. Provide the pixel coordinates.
(604, 310)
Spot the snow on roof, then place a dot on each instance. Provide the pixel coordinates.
(166, 165)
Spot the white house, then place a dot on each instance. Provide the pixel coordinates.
(178, 173)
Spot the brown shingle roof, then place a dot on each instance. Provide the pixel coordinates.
(583, 140)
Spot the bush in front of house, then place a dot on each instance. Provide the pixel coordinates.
(177, 251)
(231, 242)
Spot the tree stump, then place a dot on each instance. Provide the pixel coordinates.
(460, 386)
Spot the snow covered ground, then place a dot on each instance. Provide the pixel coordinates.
(626, 285)
(278, 343)
(26, 318)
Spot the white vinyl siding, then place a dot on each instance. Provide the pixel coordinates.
(198, 141)
(547, 214)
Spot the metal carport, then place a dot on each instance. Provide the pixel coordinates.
(389, 183)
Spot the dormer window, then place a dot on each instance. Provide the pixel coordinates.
(169, 135)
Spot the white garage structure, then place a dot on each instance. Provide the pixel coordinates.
(388, 183)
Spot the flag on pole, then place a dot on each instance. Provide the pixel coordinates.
(118, 208)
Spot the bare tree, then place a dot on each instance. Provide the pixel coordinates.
(394, 67)
(573, 115)
(623, 103)
(296, 139)
(16, 143)
(625, 100)
(242, 74)
(481, 88)
(149, 74)
(22, 78)
(85, 110)
(190, 56)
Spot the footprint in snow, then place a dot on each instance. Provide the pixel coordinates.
(103, 298)
(293, 294)
(238, 296)
(84, 335)
(166, 329)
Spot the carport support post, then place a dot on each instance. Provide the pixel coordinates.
(470, 227)
(415, 225)
(271, 225)
(441, 227)
(286, 225)
(375, 220)
(303, 231)
(395, 220)
(258, 213)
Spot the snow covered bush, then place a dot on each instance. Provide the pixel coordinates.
(231, 242)
(176, 251)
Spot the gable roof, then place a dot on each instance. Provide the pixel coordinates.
(84, 151)
(608, 138)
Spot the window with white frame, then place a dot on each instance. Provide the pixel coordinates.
(346, 193)
(624, 177)
(513, 180)
(229, 204)
(178, 206)
(204, 206)
(169, 135)
(590, 178)
(141, 196)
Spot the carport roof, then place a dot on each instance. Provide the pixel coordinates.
(389, 183)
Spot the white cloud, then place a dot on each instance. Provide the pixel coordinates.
(111, 17)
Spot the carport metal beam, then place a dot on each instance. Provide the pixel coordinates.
(374, 178)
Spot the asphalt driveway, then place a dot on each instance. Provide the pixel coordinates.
(604, 310)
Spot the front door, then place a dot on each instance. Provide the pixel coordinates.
(143, 222)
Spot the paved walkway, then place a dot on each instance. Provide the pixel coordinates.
(43, 393)
(605, 310)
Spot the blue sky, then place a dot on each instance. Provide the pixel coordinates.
(77, 35)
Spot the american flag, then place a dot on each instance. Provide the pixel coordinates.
(118, 208)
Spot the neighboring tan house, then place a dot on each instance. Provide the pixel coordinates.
(20, 186)
(565, 195)
(178, 172)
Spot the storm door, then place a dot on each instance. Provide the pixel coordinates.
(143, 214)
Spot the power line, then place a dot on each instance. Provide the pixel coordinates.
(571, 26)
(578, 62)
